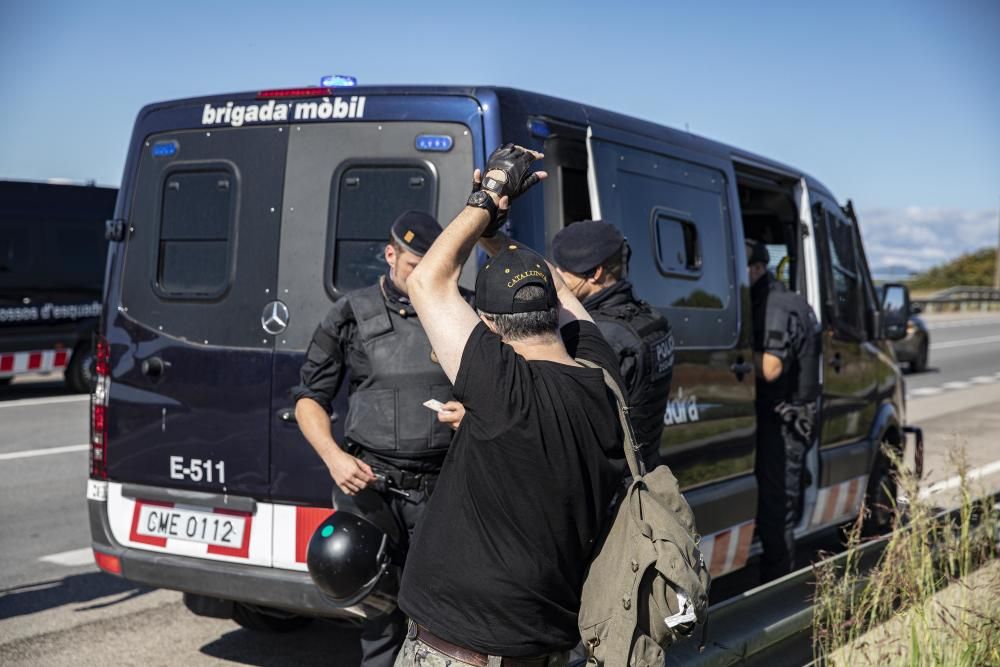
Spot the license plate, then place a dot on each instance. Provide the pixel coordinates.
(221, 530)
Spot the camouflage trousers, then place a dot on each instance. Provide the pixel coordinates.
(415, 653)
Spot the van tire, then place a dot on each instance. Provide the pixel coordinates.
(5, 381)
(919, 363)
(80, 372)
(880, 499)
(266, 619)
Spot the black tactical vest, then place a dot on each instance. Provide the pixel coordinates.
(386, 412)
(800, 381)
(651, 341)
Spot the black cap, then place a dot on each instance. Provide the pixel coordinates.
(583, 246)
(757, 253)
(415, 231)
(506, 273)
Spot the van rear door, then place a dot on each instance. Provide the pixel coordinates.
(674, 208)
(345, 183)
(190, 392)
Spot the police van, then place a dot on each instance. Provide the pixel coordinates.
(52, 258)
(242, 217)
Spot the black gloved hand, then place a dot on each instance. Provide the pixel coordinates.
(515, 163)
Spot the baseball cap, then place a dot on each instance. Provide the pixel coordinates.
(757, 253)
(582, 246)
(415, 231)
(506, 273)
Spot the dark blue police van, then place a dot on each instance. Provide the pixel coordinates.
(52, 259)
(242, 217)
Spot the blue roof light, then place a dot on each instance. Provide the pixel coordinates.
(439, 143)
(337, 81)
(539, 128)
(165, 149)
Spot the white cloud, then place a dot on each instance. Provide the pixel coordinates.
(917, 238)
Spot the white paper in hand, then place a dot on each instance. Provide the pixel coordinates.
(434, 404)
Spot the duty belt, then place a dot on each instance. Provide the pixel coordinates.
(467, 655)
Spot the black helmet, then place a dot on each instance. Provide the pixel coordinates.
(350, 552)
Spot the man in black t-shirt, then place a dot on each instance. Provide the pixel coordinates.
(497, 565)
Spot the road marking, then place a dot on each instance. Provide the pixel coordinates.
(985, 321)
(71, 558)
(983, 379)
(956, 481)
(43, 401)
(956, 385)
(28, 453)
(962, 343)
(926, 391)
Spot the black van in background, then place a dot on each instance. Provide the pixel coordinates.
(52, 261)
(235, 207)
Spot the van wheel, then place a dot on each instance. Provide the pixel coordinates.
(80, 372)
(880, 499)
(5, 381)
(266, 619)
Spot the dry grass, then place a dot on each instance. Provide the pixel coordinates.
(926, 601)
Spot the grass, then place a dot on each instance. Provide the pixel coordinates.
(933, 597)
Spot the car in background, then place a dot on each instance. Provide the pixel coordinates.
(52, 257)
(914, 348)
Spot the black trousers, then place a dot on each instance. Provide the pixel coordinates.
(383, 636)
(780, 468)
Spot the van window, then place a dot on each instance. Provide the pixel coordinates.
(77, 254)
(365, 201)
(195, 233)
(687, 241)
(15, 251)
(846, 281)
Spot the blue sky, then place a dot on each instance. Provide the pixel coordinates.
(894, 104)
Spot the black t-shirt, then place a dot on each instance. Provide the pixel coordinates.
(498, 560)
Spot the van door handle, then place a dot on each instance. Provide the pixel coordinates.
(741, 368)
(837, 362)
(153, 367)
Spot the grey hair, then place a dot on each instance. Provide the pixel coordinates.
(519, 326)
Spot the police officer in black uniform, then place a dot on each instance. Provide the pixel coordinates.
(592, 258)
(786, 356)
(391, 437)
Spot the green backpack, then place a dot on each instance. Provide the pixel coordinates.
(647, 583)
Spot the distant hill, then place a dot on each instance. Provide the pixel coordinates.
(973, 269)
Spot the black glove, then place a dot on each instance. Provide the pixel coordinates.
(515, 163)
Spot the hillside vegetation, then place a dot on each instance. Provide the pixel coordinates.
(973, 269)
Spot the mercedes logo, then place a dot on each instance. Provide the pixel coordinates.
(274, 318)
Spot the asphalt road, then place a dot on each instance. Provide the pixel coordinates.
(57, 609)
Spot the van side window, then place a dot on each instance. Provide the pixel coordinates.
(15, 250)
(365, 200)
(79, 252)
(845, 274)
(196, 218)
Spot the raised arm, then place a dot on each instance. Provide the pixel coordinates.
(433, 286)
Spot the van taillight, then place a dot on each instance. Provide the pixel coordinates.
(99, 412)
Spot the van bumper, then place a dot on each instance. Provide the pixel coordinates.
(250, 584)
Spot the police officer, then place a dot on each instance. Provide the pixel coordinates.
(390, 436)
(592, 258)
(786, 357)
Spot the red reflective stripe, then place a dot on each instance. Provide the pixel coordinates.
(134, 533)
(6, 362)
(34, 361)
(831, 503)
(307, 519)
(60, 358)
(242, 551)
(720, 552)
(743, 546)
(108, 563)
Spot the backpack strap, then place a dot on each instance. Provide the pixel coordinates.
(635, 464)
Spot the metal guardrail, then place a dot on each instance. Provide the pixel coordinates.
(961, 299)
(772, 624)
